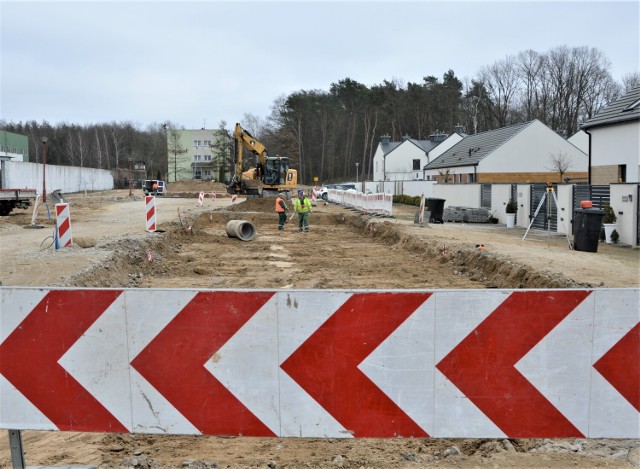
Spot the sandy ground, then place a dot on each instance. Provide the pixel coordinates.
(342, 250)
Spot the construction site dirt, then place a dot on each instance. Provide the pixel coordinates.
(344, 249)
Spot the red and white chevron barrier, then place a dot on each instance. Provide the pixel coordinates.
(150, 202)
(314, 196)
(200, 199)
(63, 225)
(234, 198)
(335, 364)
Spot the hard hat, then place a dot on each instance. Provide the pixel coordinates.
(280, 194)
(300, 192)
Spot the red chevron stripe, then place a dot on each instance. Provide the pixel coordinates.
(620, 366)
(29, 359)
(326, 365)
(174, 362)
(482, 366)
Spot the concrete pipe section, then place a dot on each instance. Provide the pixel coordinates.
(241, 229)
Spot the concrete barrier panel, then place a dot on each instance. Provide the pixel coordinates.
(322, 363)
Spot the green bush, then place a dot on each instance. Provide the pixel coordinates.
(615, 237)
(609, 214)
(407, 200)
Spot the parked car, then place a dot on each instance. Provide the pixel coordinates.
(323, 192)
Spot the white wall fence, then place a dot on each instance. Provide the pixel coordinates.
(379, 203)
(19, 175)
(623, 196)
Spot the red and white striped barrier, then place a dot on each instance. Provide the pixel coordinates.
(63, 225)
(380, 203)
(150, 202)
(314, 196)
(200, 199)
(234, 198)
(213, 196)
(328, 364)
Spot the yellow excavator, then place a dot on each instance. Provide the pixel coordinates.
(266, 176)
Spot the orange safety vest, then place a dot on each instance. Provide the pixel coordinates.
(278, 206)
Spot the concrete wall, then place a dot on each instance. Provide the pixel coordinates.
(624, 201)
(16, 174)
(458, 195)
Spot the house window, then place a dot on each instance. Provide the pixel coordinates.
(207, 157)
(207, 143)
(207, 174)
(196, 157)
(416, 164)
(198, 174)
(196, 143)
(470, 177)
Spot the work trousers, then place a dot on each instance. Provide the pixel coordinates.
(303, 221)
(282, 219)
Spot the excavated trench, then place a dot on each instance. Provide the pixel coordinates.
(342, 251)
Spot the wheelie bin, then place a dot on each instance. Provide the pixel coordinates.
(587, 223)
(436, 207)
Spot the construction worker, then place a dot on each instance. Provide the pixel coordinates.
(281, 210)
(302, 207)
(155, 188)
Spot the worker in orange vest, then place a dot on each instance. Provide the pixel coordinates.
(281, 210)
(155, 188)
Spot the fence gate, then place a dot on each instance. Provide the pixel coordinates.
(485, 196)
(598, 195)
(547, 215)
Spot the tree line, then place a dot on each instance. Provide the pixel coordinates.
(326, 132)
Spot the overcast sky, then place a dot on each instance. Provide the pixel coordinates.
(197, 63)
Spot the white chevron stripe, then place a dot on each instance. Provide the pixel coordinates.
(148, 313)
(16, 411)
(99, 362)
(458, 313)
(247, 365)
(611, 415)
(15, 306)
(301, 313)
(555, 365)
(403, 368)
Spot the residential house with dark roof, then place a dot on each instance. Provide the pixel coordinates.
(404, 160)
(518, 153)
(615, 141)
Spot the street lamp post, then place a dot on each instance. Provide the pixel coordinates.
(129, 177)
(357, 173)
(44, 168)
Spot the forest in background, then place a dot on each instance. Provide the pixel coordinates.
(326, 132)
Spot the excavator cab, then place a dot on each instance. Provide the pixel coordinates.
(275, 171)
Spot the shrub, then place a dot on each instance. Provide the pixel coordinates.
(609, 214)
(407, 200)
(512, 206)
(615, 237)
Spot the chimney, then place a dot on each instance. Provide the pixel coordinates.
(458, 129)
(406, 137)
(384, 139)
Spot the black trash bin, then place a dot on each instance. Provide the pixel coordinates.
(587, 223)
(436, 207)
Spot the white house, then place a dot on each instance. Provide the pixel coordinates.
(615, 141)
(581, 140)
(519, 153)
(404, 160)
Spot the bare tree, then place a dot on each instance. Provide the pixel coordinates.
(501, 81)
(630, 81)
(559, 163)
